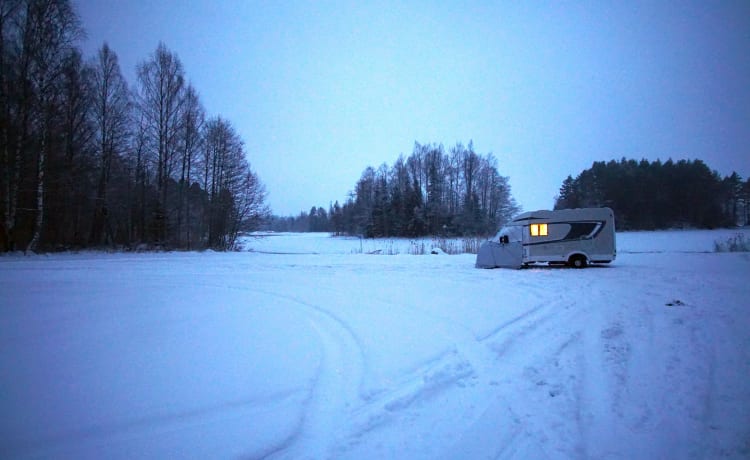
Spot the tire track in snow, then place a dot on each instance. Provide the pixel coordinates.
(337, 385)
(408, 390)
(371, 411)
(408, 395)
(500, 429)
(481, 361)
(624, 410)
(493, 414)
(453, 369)
(338, 390)
(617, 404)
(538, 354)
(59, 445)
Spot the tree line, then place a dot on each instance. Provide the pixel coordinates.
(430, 192)
(654, 195)
(88, 161)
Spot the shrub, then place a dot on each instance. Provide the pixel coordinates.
(454, 246)
(417, 248)
(735, 243)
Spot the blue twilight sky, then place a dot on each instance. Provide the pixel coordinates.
(319, 90)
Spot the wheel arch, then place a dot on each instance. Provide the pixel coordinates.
(578, 259)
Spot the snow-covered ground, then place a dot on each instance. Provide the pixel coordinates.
(311, 348)
(627, 242)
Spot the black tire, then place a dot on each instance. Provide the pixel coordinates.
(578, 261)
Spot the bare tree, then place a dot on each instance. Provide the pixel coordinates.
(463, 170)
(193, 117)
(78, 165)
(235, 195)
(251, 210)
(9, 18)
(49, 31)
(160, 100)
(71, 163)
(430, 192)
(138, 201)
(223, 148)
(111, 107)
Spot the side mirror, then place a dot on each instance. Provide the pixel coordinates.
(504, 239)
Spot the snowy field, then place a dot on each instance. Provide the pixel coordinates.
(308, 347)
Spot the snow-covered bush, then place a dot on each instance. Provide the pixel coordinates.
(735, 243)
(458, 246)
(417, 248)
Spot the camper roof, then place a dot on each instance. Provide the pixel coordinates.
(565, 214)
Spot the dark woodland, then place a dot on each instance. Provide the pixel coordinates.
(430, 192)
(86, 160)
(654, 195)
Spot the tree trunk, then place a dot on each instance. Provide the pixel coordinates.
(187, 206)
(181, 196)
(41, 165)
(15, 177)
(100, 211)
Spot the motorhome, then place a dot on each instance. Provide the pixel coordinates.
(576, 237)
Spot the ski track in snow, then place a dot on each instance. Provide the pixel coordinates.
(635, 360)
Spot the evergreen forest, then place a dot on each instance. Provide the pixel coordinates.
(648, 195)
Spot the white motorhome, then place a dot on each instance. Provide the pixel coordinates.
(576, 237)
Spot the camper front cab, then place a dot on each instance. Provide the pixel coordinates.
(576, 237)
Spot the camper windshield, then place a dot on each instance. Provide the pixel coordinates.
(513, 233)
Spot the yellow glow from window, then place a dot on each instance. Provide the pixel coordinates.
(538, 229)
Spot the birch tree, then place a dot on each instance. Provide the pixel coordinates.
(111, 112)
(71, 163)
(193, 118)
(235, 195)
(50, 30)
(9, 37)
(160, 99)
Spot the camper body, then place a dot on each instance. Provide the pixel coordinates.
(575, 237)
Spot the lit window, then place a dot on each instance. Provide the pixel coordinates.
(538, 229)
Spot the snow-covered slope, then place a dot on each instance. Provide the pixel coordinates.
(321, 353)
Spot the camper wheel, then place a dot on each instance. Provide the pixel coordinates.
(578, 261)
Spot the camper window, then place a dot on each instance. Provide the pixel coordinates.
(538, 229)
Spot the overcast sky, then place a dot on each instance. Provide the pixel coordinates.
(320, 90)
